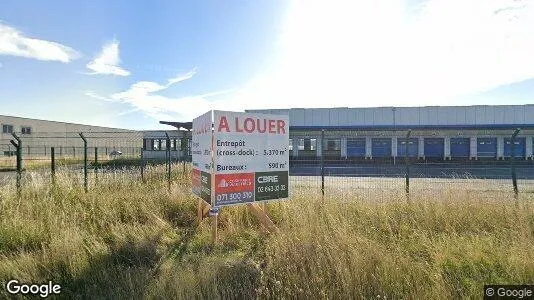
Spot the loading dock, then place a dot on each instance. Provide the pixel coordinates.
(487, 147)
(381, 147)
(434, 147)
(519, 147)
(413, 147)
(356, 147)
(460, 147)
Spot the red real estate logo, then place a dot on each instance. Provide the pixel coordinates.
(229, 183)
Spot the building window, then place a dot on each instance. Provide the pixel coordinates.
(163, 144)
(300, 145)
(313, 144)
(184, 144)
(26, 130)
(7, 128)
(307, 144)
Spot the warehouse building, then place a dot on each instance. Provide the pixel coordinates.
(39, 136)
(436, 133)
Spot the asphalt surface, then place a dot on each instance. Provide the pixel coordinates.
(480, 171)
(446, 171)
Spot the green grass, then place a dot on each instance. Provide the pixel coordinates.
(127, 239)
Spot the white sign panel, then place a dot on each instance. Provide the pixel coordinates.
(251, 157)
(201, 150)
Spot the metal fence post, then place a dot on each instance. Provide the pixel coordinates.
(168, 162)
(18, 146)
(53, 164)
(512, 162)
(322, 162)
(407, 162)
(96, 163)
(85, 183)
(142, 166)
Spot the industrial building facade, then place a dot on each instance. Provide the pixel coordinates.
(39, 136)
(436, 133)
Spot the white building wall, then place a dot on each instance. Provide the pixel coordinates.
(368, 148)
(447, 147)
(430, 115)
(319, 151)
(473, 147)
(470, 115)
(421, 147)
(394, 145)
(64, 137)
(528, 147)
(343, 145)
(500, 147)
(297, 117)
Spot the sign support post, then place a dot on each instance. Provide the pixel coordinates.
(262, 216)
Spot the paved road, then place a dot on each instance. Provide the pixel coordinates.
(502, 171)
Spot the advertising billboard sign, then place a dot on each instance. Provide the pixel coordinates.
(245, 159)
(251, 157)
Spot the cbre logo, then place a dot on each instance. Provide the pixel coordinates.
(267, 179)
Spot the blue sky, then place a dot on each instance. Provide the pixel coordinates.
(130, 64)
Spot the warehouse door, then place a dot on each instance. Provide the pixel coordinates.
(381, 147)
(356, 147)
(460, 147)
(519, 147)
(487, 147)
(434, 147)
(413, 147)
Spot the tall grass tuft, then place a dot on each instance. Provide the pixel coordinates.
(131, 239)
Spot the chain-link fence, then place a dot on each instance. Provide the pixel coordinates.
(121, 153)
(324, 163)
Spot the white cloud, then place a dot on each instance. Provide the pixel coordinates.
(107, 61)
(373, 53)
(141, 96)
(381, 52)
(15, 43)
